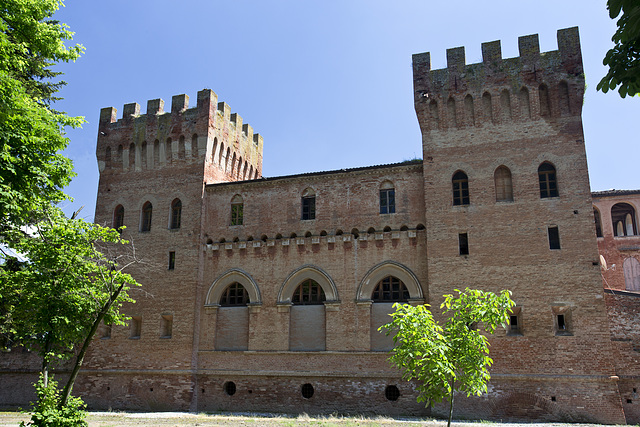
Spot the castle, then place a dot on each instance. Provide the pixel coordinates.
(266, 293)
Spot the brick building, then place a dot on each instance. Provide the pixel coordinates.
(266, 293)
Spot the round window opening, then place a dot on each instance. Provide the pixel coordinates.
(230, 388)
(392, 393)
(307, 391)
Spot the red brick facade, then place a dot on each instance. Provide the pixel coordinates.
(500, 200)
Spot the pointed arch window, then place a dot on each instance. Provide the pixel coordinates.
(460, 183)
(235, 295)
(390, 289)
(176, 214)
(118, 218)
(237, 210)
(504, 187)
(145, 220)
(547, 179)
(598, 222)
(308, 292)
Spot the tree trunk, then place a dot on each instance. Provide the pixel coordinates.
(45, 362)
(450, 404)
(85, 346)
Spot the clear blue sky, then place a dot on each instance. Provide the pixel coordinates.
(327, 83)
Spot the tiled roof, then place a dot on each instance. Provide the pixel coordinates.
(614, 192)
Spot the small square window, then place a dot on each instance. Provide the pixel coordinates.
(463, 243)
(172, 260)
(554, 238)
(562, 320)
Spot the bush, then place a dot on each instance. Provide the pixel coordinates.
(47, 413)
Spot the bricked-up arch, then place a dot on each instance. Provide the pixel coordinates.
(523, 100)
(545, 102)
(503, 184)
(389, 268)
(303, 273)
(234, 275)
(487, 107)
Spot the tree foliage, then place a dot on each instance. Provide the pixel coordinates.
(32, 170)
(624, 58)
(452, 357)
(74, 279)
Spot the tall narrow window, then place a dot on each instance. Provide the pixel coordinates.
(387, 198)
(554, 238)
(135, 327)
(504, 188)
(460, 189)
(623, 216)
(237, 210)
(463, 243)
(166, 326)
(487, 107)
(451, 109)
(598, 222)
(118, 218)
(515, 322)
(545, 105)
(172, 260)
(548, 182)
(308, 204)
(307, 319)
(145, 220)
(387, 292)
(176, 214)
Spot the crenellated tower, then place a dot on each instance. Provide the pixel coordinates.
(508, 206)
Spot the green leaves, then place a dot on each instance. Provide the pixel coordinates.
(452, 357)
(624, 58)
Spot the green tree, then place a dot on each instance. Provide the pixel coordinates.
(32, 170)
(624, 58)
(73, 280)
(453, 357)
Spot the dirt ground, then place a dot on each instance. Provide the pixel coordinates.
(180, 419)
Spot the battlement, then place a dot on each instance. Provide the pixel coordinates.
(206, 132)
(530, 86)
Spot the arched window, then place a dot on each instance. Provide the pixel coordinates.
(232, 323)
(143, 155)
(120, 157)
(545, 104)
(235, 295)
(308, 204)
(307, 322)
(237, 210)
(308, 292)
(118, 217)
(548, 182)
(156, 153)
(168, 150)
(631, 268)
(387, 198)
(598, 222)
(213, 150)
(176, 214)
(390, 289)
(623, 216)
(460, 184)
(194, 145)
(221, 156)
(504, 188)
(145, 219)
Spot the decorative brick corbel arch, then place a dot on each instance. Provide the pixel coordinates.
(231, 276)
(307, 272)
(389, 268)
